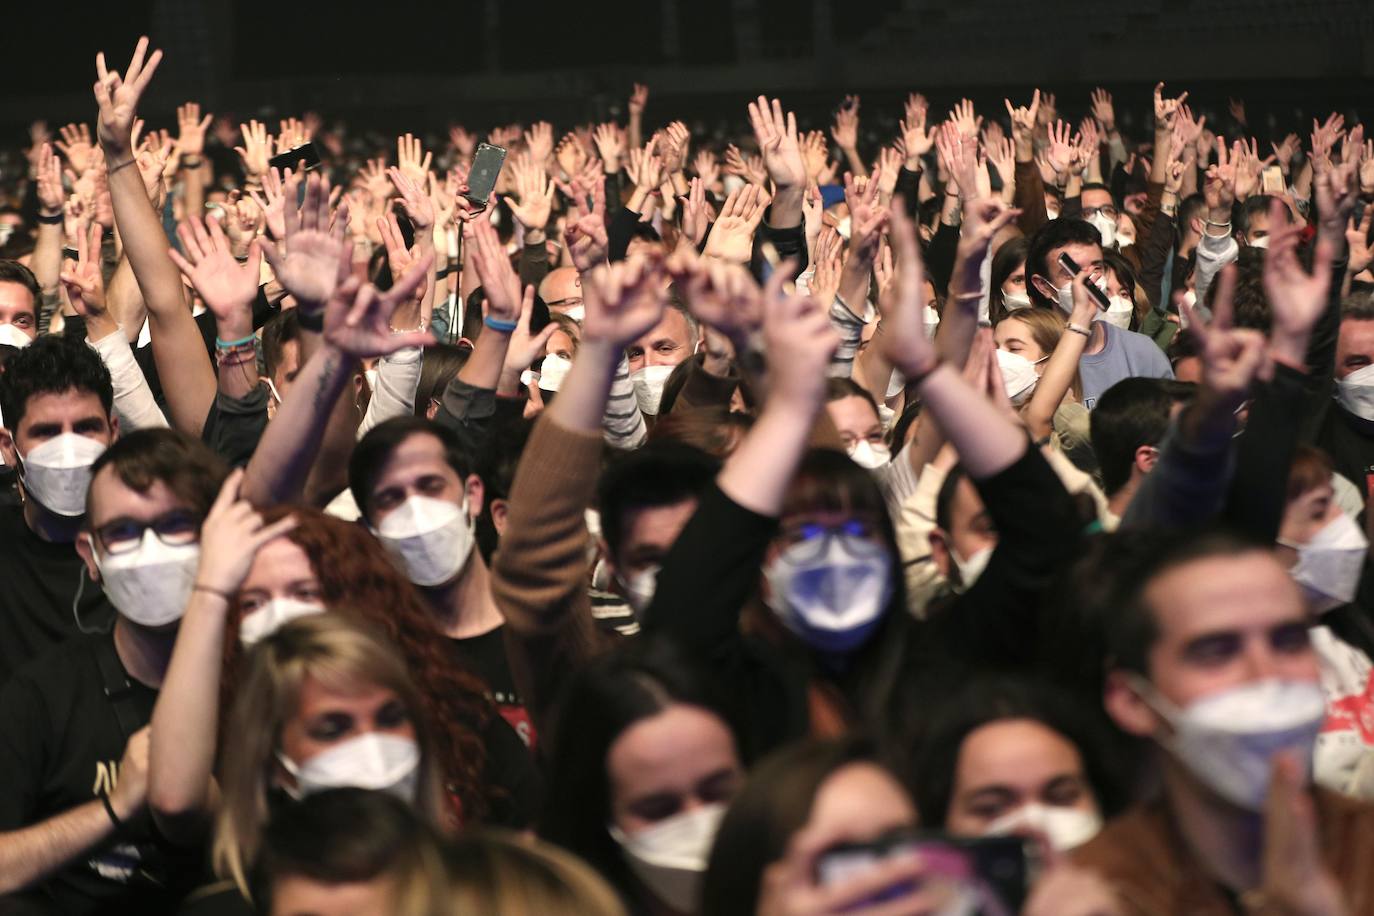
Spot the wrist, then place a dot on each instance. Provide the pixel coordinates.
(535, 236)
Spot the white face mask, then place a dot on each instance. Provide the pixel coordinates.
(371, 376)
(1355, 392)
(844, 226)
(931, 319)
(649, 382)
(262, 622)
(972, 568)
(1064, 295)
(1051, 213)
(1016, 300)
(373, 761)
(11, 335)
(1228, 740)
(1261, 242)
(431, 537)
(1106, 227)
(1329, 565)
(577, 313)
(870, 455)
(1118, 312)
(150, 584)
(1019, 376)
(1065, 827)
(670, 857)
(58, 472)
(638, 588)
(552, 372)
(832, 595)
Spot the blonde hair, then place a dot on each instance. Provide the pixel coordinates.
(342, 653)
(1046, 326)
(498, 873)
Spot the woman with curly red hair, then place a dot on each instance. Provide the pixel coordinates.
(245, 590)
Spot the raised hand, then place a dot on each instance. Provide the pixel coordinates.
(375, 179)
(1361, 253)
(720, 294)
(1324, 137)
(695, 214)
(1335, 191)
(1232, 358)
(964, 120)
(1063, 150)
(732, 234)
(191, 128)
(241, 221)
(83, 280)
(983, 219)
(539, 141)
(610, 145)
(671, 145)
(777, 137)
(230, 537)
(916, 139)
(799, 340)
(828, 261)
(647, 168)
(76, 146)
(623, 301)
(357, 318)
(227, 287)
(1298, 299)
(411, 159)
(1248, 167)
(414, 200)
(585, 233)
(751, 169)
(1023, 122)
(533, 192)
(904, 341)
(1219, 190)
(118, 99)
(48, 180)
(706, 167)
(494, 270)
(570, 155)
(1049, 112)
(885, 172)
(524, 347)
(256, 149)
(311, 260)
(1166, 110)
(464, 141)
(845, 130)
(639, 97)
(960, 159)
(867, 217)
(1103, 110)
(272, 202)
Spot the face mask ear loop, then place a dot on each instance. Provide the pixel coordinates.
(80, 590)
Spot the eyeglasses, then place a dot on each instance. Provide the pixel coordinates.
(809, 541)
(1108, 211)
(175, 529)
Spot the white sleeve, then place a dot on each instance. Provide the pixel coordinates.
(1213, 253)
(851, 329)
(622, 424)
(133, 399)
(398, 375)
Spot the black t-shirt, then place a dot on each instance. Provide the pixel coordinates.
(38, 583)
(60, 747)
(485, 656)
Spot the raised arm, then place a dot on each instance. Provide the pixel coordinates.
(178, 350)
(777, 136)
(186, 716)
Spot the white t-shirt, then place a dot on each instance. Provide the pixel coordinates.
(1344, 757)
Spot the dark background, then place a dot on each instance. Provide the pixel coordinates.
(393, 65)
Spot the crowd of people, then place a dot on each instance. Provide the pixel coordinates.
(967, 522)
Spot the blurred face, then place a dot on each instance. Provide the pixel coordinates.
(298, 895)
(281, 569)
(326, 716)
(1014, 336)
(858, 803)
(17, 308)
(1098, 201)
(1258, 229)
(1011, 763)
(287, 369)
(856, 420)
(1354, 347)
(561, 289)
(1189, 369)
(971, 529)
(117, 515)
(561, 344)
(667, 344)
(1016, 280)
(49, 415)
(648, 533)
(801, 527)
(1086, 256)
(418, 467)
(1305, 515)
(1224, 622)
(676, 761)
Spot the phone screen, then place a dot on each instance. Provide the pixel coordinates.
(486, 166)
(1272, 178)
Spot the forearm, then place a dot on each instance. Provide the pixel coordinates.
(959, 323)
(854, 281)
(1030, 198)
(398, 375)
(581, 401)
(785, 212)
(237, 371)
(47, 257)
(856, 164)
(483, 368)
(757, 474)
(133, 400)
(622, 423)
(1054, 383)
(182, 745)
(277, 473)
(193, 187)
(32, 853)
(123, 300)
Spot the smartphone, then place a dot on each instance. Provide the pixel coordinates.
(486, 166)
(1004, 865)
(1072, 267)
(1272, 180)
(304, 158)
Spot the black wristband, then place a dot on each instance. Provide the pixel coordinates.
(313, 322)
(109, 809)
(55, 220)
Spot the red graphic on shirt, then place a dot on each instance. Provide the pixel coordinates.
(1353, 713)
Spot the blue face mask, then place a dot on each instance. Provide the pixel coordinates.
(831, 589)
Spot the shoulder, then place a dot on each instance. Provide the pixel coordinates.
(61, 667)
(1134, 850)
(1141, 345)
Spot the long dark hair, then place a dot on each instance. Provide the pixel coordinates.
(773, 805)
(600, 702)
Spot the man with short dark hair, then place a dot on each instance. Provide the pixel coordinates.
(56, 399)
(75, 832)
(1128, 426)
(1211, 660)
(1112, 353)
